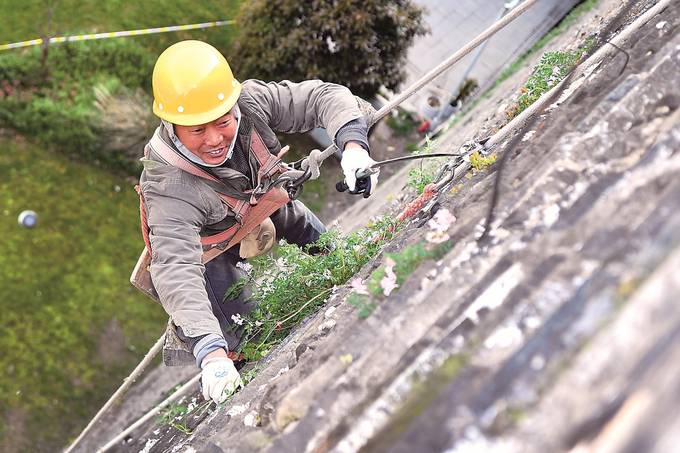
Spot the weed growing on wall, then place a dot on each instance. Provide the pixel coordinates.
(293, 283)
(551, 70)
(480, 162)
(392, 274)
(423, 175)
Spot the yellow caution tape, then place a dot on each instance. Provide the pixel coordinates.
(117, 34)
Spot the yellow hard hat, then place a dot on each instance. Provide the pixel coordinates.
(193, 84)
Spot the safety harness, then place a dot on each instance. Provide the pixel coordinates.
(264, 200)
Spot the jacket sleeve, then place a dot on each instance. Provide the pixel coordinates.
(175, 215)
(299, 107)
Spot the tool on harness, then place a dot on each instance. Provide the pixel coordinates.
(294, 186)
(341, 186)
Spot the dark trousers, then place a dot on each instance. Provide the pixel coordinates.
(294, 223)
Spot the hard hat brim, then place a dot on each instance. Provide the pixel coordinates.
(184, 119)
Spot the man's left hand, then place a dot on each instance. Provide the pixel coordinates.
(353, 160)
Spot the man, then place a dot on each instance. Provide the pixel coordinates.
(205, 167)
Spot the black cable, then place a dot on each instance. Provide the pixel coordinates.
(495, 195)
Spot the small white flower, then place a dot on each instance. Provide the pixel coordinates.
(332, 45)
(327, 274)
(245, 266)
(238, 409)
(238, 320)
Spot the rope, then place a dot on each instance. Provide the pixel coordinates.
(110, 444)
(318, 158)
(116, 34)
(121, 390)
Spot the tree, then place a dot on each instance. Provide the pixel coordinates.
(360, 44)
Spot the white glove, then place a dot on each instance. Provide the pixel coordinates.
(354, 159)
(219, 378)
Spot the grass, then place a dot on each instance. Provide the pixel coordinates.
(74, 17)
(54, 104)
(72, 325)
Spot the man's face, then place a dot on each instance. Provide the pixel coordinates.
(209, 141)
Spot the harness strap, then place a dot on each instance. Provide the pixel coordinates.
(171, 157)
(142, 218)
(248, 214)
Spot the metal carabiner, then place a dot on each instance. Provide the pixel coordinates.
(294, 188)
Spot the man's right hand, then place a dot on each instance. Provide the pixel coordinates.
(219, 378)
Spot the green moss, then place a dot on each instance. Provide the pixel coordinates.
(422, 395)
(406, 262)
(364, 304)
(480, 162)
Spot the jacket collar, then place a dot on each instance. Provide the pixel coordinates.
(170, 131)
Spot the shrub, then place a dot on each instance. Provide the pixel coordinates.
(59, 110)
(359, 44)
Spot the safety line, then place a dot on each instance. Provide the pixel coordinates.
(116, 34)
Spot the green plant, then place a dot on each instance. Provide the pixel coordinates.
(177, 414)
(402, 124)
(557, 30)
(420, 177)
(292, 284)
(520, 62)
(405, 262)
(361, 44)
(401, 264)
(553, 67)
(424, 174)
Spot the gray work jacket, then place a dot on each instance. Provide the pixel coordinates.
(179, 205)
